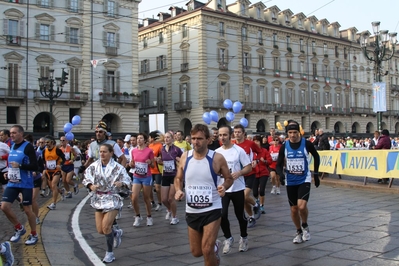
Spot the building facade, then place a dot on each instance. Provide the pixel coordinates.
(278, 64)
(44, 37)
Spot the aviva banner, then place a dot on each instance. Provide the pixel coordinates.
(328, 160)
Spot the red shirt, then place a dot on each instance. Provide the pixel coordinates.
(252, 150)
(274, 150)
(261, 168)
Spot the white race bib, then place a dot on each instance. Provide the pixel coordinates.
(51, 165)
(199, 197)
(296, 166)
(169, 166)
(274, 156)
(14, 175)
(67, 155)
(141, 168)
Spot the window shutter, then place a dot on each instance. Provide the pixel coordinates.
(76, 80)
(81, 6)
(72, 80)
(164, 61)
(116, 11)
(68, 4)
(52, 29)
(117, 81)
(51, 3)
(67, 31)
(21, 27)
(105, 7)
(188, 92)
(226, 56)
(9, 76)
(180, 92)
(81, 36)
(250, 59)
(37, 30)
(227, 93)
(117, 40)
(142, 67)
(105, 80)
(104, 38)
(5, 26)
(218, 55)
(39, 3)
(148, 65)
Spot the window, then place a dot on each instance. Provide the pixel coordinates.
(43, 3)
(260, 37)
(145, 42)
(276, 95)
(221, 29)
(274, 40)
(299, 23)
(112, 81)
(302, 69)
(338, 100)
(262, 94)
(313, 47)
(259, 12)
(185, 56)
(73, 5)
(336, 52)
(261, 61)
(323, 28)
(111, 42)
(288, 42)
(74, 79)
(303, 97)
(12, 113)
(13, 70)
(145, 66)
(276, 63)
(314, 67)
(160, 36)
(243, 9)
(111, 9)
(346, 55)
(184, 31)
(44, 32)
(246, 59)
(345, 73)
(184, 92)
(274, 16)
(74, 35)
(301, 45)
(315, 101)
(327, 98)
(325, 49)
(224, 91)
(244, 34)
(312, 28)
(290, 96)
(247, 92)
(222, 53)
(325, 70)
(13, 27)
(289, 65)
(161, 62)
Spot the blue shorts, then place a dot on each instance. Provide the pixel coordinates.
(67, 168)
(145, 181)
(11, 194)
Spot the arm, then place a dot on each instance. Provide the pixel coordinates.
(61, 155)
(179, 177)
(280, 161)
(316, 157)
(30, 152)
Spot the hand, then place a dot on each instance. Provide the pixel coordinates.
(282, 180)
(316, 180)
(179, 194)
(82, 169)
(221, 190)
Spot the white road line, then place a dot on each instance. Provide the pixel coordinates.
(79, 237)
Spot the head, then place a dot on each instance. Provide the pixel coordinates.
(239, 132)
(188, 139)
(106, 152)
(200, 137)
(376, 134)
(29, 138)
(168, 138)
(272, 131)
(225, 133)
(258, 140)
(109, 135)
(16, 133)
(293, 131)
(153, 136)
(133, 140)
(41, 143)
(179, 135)
(101, 131)
(50, 142)
(142, 139)
(321, 131)
(63, 141)
(4, 135)
(215, 133)
(120, 142)
(385, 132)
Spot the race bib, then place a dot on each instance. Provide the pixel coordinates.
(296, 166)
(274, 156)
(14, 175)
(67, 156)
(199, 197)
(51, 165)
(141, 168)
(169, 166)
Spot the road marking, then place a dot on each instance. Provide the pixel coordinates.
(78, 234)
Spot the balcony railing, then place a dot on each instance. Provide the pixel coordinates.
(246, 69)
(14, 40)
(223, 66)
(183, 106)
(119, 98)
(362, 110)
(394, 87)
(262, 71)
(66, 96)
(212, 103)
(184, 67)
(111, 50)
(6, 94)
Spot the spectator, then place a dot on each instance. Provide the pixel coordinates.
(384, 143)
(323, 143)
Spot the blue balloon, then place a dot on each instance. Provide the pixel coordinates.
(69, 136)
(244, 122)
(214, 116)
(68, 127)
(237, 107)
(227, 103)
(230, 116)
(207, 118)
(76, 120)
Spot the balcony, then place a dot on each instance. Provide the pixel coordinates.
(246, 69)
(262, 71)
(183, 106)
(212, 103)
(223, 66)
(7, 94)
(362, 110)
(184, 67)
(13, 40)
(66, 96)
(111, 51)
(119, 98)
(394, 87)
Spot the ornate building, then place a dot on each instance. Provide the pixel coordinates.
(43, 37)
(278, 64)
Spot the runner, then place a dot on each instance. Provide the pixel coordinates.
(274, 150)
(106, 179)
(180, 143)
(67, 169)
(156, 146)
(200, 169)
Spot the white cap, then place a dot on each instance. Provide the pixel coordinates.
(127, 138)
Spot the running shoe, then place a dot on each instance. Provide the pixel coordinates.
(32, 240)
(68, 195)
(118, 238)
(256, 211)
(168, 215)
(273, 190)
(277, 191)
(109, 257)
(257, 202)
(262, 209)
(17, 235)
(158, 208)
(130, 205)
(298, 238)
(137, 221)
(150, 221)
(62, 194)
(305, 234)
(51, 206)
(227, 244)
(76, 189)
(174, 221)
(42, 193)
(8, 254)
(251, 222)
(243, 244)
(217, 245)
(37, 220)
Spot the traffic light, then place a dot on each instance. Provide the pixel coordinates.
(64, 77)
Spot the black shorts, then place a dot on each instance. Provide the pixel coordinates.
(197, 221)
(167, 181)
(67, 168)
(50, 175)
(156, 179)
(37, 182)
(249, 181)
(301, 191)
(11, 193)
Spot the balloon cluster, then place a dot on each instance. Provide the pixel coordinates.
(68, 127)
(280, 127)
(208, 117)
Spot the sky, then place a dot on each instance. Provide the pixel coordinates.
(349, 13)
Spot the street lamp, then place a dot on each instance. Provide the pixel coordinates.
(46, 85)
(384, 49)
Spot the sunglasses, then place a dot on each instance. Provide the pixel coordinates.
(99, 132)
(62, 139)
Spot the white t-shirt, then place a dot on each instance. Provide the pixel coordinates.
(4, 149)
(237, 159)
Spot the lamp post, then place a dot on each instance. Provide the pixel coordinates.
(384, 49)
(46, 85)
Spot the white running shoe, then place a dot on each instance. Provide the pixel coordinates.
(277, 190)
(168, 215)
(137, 221)
(298, 238)
(158, 208)
(118, 238)
(273, 190)
(174, 221)
(305, 234)
(243, 244)
(32, 240)
(217, 248)
(51, 206)
(109, 257)
(227, 244)
(150, 221)
(37, 220)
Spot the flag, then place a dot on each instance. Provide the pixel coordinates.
(95, 62)
(379, 97)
